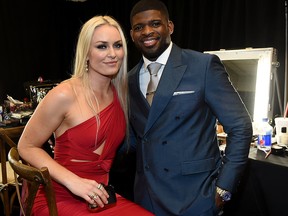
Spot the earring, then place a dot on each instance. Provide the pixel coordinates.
(86, 66)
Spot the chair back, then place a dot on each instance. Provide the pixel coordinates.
(8, 139)
(34, 178)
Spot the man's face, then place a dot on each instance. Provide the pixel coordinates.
(151, 33)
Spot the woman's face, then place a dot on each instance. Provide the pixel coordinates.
(106, 51)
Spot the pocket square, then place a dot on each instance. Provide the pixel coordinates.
(182, 92)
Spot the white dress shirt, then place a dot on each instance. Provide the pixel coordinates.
(144, 76)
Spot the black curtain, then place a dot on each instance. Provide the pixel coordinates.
(37, 38)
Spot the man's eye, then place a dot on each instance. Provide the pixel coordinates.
(156, 24)
(137, 28)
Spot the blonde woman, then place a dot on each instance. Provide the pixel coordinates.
(88, 116)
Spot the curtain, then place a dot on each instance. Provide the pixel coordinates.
(37, 38)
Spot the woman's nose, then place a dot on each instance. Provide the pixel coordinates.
(111, 53)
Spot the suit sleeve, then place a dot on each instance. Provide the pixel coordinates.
(231, 112)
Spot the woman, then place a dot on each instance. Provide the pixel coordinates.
(88, 115)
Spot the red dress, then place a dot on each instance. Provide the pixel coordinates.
(78, 143)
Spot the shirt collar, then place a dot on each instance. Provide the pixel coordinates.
(161, 59)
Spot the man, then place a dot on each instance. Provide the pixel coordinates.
(180, 170)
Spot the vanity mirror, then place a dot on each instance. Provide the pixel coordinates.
(252, 72)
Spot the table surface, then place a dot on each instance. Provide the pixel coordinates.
(259, 155)
(263, 189)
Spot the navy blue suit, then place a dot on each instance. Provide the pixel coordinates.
(178, 159)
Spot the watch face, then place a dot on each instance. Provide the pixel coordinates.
(226, 196)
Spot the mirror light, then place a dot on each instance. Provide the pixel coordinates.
(263, 58)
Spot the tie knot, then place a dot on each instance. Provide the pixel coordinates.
(153, 68)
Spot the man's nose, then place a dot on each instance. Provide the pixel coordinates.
(147, 30)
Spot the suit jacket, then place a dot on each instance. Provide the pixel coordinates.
(178, 158)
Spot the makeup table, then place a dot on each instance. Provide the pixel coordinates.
(263, 190)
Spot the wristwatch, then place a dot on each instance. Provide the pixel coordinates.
(224, 194)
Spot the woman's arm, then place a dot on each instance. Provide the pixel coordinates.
(50, 115)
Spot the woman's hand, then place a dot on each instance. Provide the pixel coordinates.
(90, 190)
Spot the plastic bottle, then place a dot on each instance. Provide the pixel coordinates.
(265, 135)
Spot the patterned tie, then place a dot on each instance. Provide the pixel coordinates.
(153, 69)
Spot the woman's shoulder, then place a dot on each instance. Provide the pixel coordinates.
(65, 91)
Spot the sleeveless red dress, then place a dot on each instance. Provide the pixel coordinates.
(78, 143)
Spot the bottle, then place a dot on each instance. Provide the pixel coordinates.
(265, 135)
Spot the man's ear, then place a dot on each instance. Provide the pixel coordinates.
(171, 27)
(131, 34)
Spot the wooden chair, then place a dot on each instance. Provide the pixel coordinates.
(34, 178)
(7, 138)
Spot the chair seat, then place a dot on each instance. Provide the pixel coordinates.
(10, 174)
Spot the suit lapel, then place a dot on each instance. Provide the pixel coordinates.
(135, 92)
(171, 76)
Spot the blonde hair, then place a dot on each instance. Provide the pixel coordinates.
(82, 49)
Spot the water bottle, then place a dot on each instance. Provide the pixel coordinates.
(265, 135)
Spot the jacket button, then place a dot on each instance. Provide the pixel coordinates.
(164, 142)
(166, 170)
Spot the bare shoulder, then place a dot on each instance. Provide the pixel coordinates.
(62, 93)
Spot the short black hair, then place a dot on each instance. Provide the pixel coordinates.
(144, 5)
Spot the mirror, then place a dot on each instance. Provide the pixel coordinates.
(251, 71)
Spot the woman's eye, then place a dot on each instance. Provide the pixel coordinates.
(119, 45)
(101, 46)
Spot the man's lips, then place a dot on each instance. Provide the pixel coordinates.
(150, 42)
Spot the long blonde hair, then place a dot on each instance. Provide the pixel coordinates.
(82, 49)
